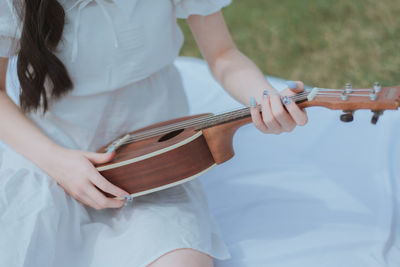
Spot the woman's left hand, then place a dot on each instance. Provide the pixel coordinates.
(278, 117)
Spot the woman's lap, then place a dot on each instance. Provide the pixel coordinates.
(39, 215)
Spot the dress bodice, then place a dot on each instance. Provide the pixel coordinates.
(108, 44)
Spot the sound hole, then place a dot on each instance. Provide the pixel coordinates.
(170, 135)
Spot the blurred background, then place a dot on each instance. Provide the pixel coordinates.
(321, 42)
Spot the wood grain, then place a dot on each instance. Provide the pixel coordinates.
(166, 168)
(219, 139)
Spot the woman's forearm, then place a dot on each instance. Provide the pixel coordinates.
(21, 134)
(240, 76)
(73, 170)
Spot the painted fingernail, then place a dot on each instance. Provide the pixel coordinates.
(128, 198)
(252, 102)
(265, 93)
(110, 150)
(286, 100)
(291, 84)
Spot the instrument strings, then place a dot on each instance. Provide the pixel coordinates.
(202, 122)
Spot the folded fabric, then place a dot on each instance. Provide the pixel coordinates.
(326, 194)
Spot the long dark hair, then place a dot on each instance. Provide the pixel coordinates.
(37, 66)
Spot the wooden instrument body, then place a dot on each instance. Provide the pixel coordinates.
(152, 164)
(182, 154)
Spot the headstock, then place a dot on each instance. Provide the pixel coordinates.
(377, 99)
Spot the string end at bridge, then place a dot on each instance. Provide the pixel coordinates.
(116, 144)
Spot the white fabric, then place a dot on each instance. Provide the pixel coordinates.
(38, 216)
(326, 194)
(108, 44)
(185, 8)
(131, 46)
(10, 30)
(117, 90)
(323, 195)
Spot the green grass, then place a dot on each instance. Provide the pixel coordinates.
(321, 42)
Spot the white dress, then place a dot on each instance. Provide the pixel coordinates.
(119, 54)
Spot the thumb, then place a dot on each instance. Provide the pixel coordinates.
(296, 86)
(99, 157)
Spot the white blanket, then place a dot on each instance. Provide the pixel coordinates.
(326, 194)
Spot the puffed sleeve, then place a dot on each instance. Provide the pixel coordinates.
(9, 29)
(185, 8)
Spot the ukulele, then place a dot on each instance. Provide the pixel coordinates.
(179, 150)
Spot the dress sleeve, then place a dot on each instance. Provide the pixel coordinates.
(185, 8)
(9, 31)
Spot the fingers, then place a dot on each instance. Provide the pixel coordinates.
(102, 201)
(88, 201)
(281, 115)
(80, 195)
(97, 179)
(106, 186)
(256, 117)
(296, 86)
(80, 182)
(88, 194)
(268, 116)
(278, 117)
(98, 157)
(298, 115)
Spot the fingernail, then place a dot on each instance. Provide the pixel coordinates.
(128, 198)
(252, 102)
(110, 150)
(265, 93)
(291, 84)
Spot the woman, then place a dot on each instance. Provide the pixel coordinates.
(89, 71)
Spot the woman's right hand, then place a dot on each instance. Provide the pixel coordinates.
(75, 173)
(72, 169)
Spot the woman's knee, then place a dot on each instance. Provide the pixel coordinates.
(182, 258)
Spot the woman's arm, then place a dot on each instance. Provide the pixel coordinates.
(241, 77)
(17, 130)
(72, 169)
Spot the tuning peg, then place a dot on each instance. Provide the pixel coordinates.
(376, 116)
(347, 116)
(348, 88)
(377, 87)
(372, 95)
(344, 95)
